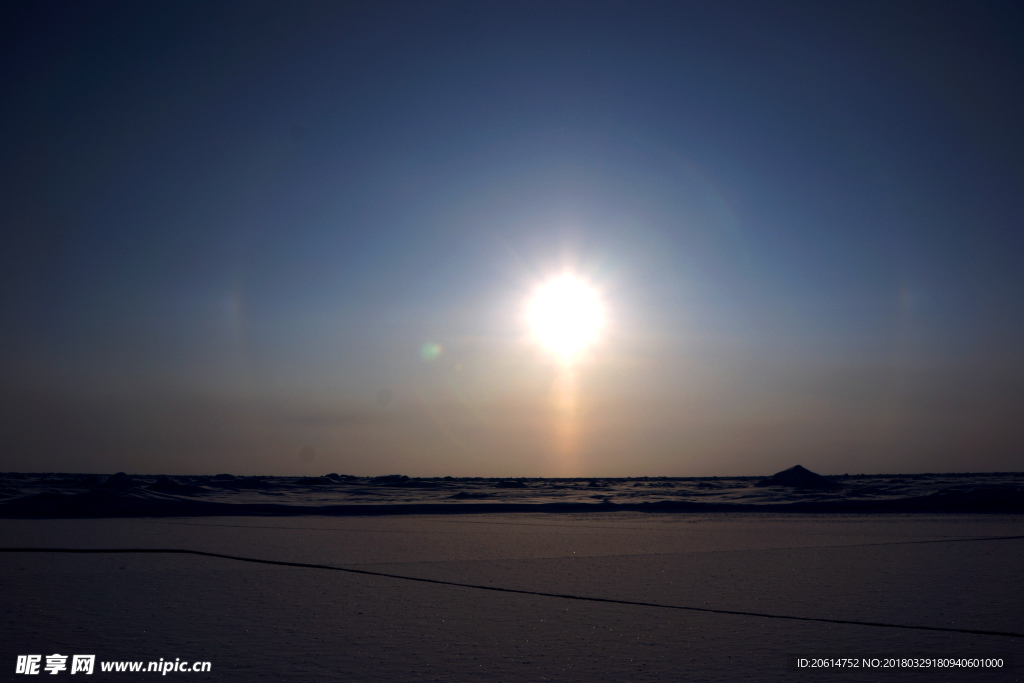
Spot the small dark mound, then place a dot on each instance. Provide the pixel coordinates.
(798, 477)
(224, 477)
(594, 484)
(510, 485)
(334, 476)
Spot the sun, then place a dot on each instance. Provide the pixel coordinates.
(566, 316)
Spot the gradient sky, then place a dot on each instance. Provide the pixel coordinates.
(232, 230)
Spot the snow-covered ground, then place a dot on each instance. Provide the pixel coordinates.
(280, 623)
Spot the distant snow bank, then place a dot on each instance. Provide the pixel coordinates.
(794, 490)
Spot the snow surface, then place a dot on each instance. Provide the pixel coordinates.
(269, 623)
(938, 550)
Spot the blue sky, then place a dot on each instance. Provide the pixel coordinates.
(230, 227)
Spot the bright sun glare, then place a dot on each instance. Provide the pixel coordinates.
(566, 316)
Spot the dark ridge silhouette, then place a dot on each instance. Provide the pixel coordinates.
(402, 481)
(167, 485)
(419, 484)
(798, 477)
(87, 482)
(237, 483)
(118, 481)
(102, 502)
(389, 479)
(315, 481)
(797, 490)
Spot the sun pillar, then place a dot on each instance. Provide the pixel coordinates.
(565, 398)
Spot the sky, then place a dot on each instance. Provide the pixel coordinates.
(298, 238)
